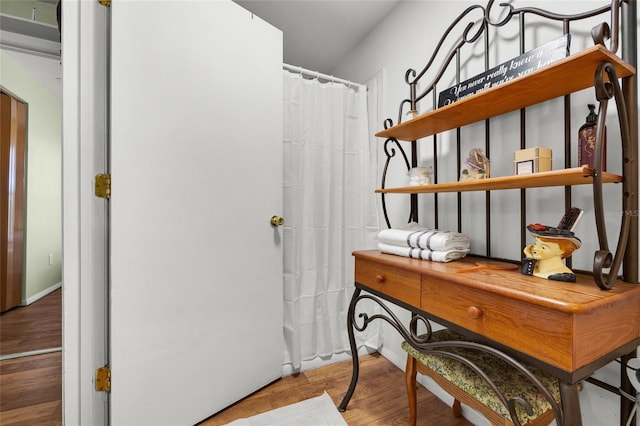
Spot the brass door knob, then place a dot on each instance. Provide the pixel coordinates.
(276, 221)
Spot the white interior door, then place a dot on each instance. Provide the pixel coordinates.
(196, 267)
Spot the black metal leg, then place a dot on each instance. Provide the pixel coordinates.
(354, 352)
(626, 405)
(570, 404)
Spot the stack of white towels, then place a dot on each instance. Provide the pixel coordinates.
(418, 242)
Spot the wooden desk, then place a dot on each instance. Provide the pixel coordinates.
(567, 329)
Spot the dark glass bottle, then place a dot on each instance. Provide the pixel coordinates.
(587, 140)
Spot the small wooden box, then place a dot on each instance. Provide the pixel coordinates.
(531, 160)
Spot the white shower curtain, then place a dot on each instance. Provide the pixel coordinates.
(330, 211)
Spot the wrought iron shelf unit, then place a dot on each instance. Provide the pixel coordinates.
(566, 76)
(566, 177)
(439, 291)
(596, 67)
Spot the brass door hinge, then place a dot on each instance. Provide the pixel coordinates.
(105, 2)
(103, 186)
(103, 379)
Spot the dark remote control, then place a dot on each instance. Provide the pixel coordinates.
(570, 218)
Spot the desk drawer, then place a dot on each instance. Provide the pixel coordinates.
(534, 330)
(398, 283)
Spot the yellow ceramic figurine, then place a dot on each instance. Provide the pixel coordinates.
(544, 257)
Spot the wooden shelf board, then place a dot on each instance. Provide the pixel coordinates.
(574, 73)
(566, 177)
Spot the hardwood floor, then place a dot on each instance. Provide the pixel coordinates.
(31, 387)
(31, 390)
(33, 327)
(32, 394)
(380, 397)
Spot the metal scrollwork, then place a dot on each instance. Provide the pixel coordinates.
(600, 33)
(390, 146)
(471, 33)
(390, 152)
(505, 20)
(433, 348)
(603, 258)
(422, 342)
(419, 342)
(409, 76)
(467, 38)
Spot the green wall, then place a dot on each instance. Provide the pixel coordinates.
(43, 229)
(45, 11)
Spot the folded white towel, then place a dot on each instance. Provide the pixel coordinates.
(416, 253)
(414, 235)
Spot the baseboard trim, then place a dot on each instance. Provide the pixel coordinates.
(40, 295)
(30, 353)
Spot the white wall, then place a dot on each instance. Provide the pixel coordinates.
(406, 39)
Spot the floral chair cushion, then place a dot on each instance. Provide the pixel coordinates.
(510, 381)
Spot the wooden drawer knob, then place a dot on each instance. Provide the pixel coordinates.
(380, 279)
(474, 312)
